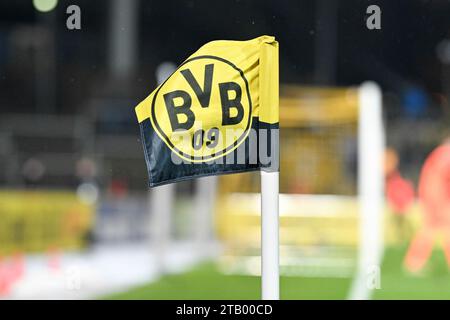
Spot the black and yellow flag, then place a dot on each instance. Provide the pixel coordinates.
(216, 114)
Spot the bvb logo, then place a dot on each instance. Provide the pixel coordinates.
(204, 110)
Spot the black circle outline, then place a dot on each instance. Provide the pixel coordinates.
(235, 143)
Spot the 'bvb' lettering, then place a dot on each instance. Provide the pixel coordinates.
(203, 105)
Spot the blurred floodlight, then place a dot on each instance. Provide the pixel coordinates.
(87, 192)
(45, 5)
(164, 70)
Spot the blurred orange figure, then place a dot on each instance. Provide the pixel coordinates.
(399, 192)
(434, 194)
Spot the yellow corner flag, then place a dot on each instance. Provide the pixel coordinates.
(216, 114)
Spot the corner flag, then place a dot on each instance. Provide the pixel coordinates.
(216, 114)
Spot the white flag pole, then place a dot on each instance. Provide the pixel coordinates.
(269, 105)
(269, 236)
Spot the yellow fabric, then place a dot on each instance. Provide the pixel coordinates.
(268, 84)
(257, 58)
(206, 108)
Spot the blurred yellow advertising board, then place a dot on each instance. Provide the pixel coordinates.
(33, 221)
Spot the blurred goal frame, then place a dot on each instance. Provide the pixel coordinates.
(367, 205)
(371, 146)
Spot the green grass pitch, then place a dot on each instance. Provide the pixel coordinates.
(206, 282)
